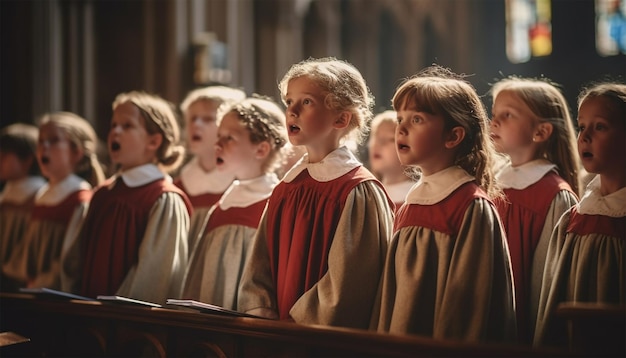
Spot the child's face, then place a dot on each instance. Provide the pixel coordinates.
(601, 137)
(56, 155)
(420, 141)
(200, 118)
(235, 153)
(512, 125)
(129, 143)
(309, 121)
(382, 149)
(12, 167)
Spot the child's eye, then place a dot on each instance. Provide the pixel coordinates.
(306, 101)
(416, 119)
(581, 128)
(288, 102)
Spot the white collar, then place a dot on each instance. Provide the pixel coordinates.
(141, 175)
(196, 181)
(434, 188)
(53, 194)
(337, 163)
(243, 193)
(593, 203)
(18, 191)
(525, 175)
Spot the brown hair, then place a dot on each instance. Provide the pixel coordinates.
(439, 91)
(159, 117)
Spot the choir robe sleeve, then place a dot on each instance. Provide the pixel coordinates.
(257, 292)
(561, 203)
(345, 295)
(54, 277)
(70, 265)
(450, 288)
(163, 253)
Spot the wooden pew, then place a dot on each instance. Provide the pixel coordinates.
(95, 329)
(595, 328)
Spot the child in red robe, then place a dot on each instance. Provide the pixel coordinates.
(531, 126)
(320, 247)
(198, 178)
(251, 137)
(134, 238)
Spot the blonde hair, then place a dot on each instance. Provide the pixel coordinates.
(265, 122)
(439, 91)
(81, 136)
(384, 117)
(218, 94)
(613, 91)
(345, 88)
(547, 102)
(159, 118)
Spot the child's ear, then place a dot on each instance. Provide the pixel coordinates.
(263, 150)
(77, 154)
(455, 137)
(154, 141)
(543, 132)
(343, 120)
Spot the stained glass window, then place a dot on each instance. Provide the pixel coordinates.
(610, 27)
(528, 29)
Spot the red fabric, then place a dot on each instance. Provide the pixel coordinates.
(199, 201)
(62, 212)
(302, 218)
(445, 217)
(582, 225)
(113, 230)
(248, 216)
(523, 216)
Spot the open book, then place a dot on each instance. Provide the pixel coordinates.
(48, 292)
(127, 300)
(208, 308)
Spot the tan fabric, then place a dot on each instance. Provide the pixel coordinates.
(197, 224)
(449, 287)
(216, 265)
(344, 296)
(579, 268)
(163, 253)
(560, 204)
(70, 270)
(13, 224)
(37, 261)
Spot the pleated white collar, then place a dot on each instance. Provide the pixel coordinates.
(334, 165)
(53, 194)
(525, 175)
(433, 188)
(243, 193)
(593, 203)
(197, 181)
(18, 191)
(140, 175)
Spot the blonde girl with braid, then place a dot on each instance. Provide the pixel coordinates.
(66, 154)
(251, 136)
(134, 238)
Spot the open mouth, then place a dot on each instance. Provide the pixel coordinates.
(219, 160)
(403, 147)
(196, 138)
(587, 155)
(115, 146)
(294, 129)
(45, 159)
